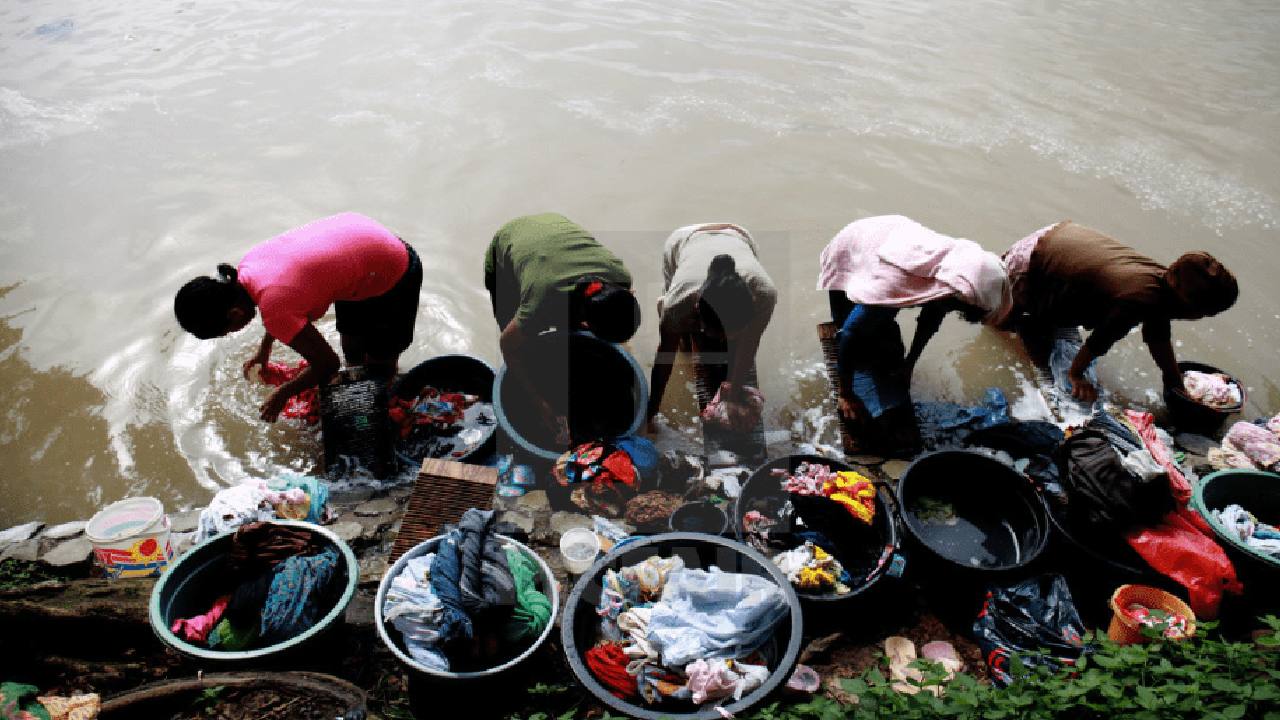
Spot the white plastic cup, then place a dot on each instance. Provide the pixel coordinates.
(579, 548)
(131, 538)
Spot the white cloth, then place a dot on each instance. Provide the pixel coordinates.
(232, 507)
(709, 614)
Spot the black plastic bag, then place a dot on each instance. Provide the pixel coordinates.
(1034, 615)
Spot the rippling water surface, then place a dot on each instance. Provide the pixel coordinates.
(143, 142)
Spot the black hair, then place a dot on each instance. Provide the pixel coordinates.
(610, 311)
(725, 303)
(201, 306)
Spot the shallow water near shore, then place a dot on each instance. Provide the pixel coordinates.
(141, 143)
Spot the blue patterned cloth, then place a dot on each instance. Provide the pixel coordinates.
(446, 578)
(293, 602)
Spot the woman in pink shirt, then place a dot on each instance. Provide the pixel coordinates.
(349, 261)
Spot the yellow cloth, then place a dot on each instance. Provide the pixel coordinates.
(855, 493)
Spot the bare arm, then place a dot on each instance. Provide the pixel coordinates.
(1160, 344)
(262, 356)
(1081, 388)
(927, 325)
(322, 363)
(663, 361)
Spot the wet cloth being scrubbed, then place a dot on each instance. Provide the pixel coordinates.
(709, 614)
(293, 604)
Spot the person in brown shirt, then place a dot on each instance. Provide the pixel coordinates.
(1069, 275)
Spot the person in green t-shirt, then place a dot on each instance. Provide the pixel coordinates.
(546, 272)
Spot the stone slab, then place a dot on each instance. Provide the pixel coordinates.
(65, 530)
(75, 551)
(378, 506)
(20, 533)
(347, 531)
(184, 521)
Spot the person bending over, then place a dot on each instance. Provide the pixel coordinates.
(873, 268)
(546, 272)
(370, 275)
(717, 301)
(1068, 275)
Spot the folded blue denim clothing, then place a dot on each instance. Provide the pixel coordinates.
(709, 614)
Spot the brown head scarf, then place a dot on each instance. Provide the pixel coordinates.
(1203, 285)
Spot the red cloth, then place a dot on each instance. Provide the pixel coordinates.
(1182, 546)
(609, 664)
(303, 406)
(1145, 424)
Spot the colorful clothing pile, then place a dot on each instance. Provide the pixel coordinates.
(290, 497)
(1170, 625)
(669, 633)
(813, 569)
(1213, 390)
(1243, 525)
(851, 489)
(603, 475)
(440, 423)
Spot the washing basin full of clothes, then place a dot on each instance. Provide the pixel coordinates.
(709, 571)
(425, 663)
(197, 581)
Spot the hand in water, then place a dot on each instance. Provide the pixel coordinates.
(1083, 390)
(273, 406)
(259, 360)
(847, 409)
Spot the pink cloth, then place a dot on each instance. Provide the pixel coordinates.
(1261, 447)
(739, 412)
(196, 629)
(894, 261)
(1212, 389)
(294, 277)
(1145, 424)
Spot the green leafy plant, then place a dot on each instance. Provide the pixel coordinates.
(1204, 676)
(17, 574)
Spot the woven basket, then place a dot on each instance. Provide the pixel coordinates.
(1124, 630)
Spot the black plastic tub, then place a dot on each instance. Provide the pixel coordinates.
(198, 577)
(858, 547)
(973, 513)
(456, 373)
(1259, 493)
(1094, 567)
(699, 517)
(580, 624)
(1192, 416)
(337, 698)
(597, 385)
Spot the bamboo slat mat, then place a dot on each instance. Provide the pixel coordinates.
(443, 491)
(827, 339)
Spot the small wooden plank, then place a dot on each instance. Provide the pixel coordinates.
(443, 491)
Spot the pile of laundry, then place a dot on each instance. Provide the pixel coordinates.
(848, 488)
(820, 516)
(1170, 625)
(672, 635)
(280, 580)
(1245, 527)
(1214, 390)
(603, 476)
(1249, 446)
(440, 423)
(473, 604)
(304, 406)
(291, 497)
